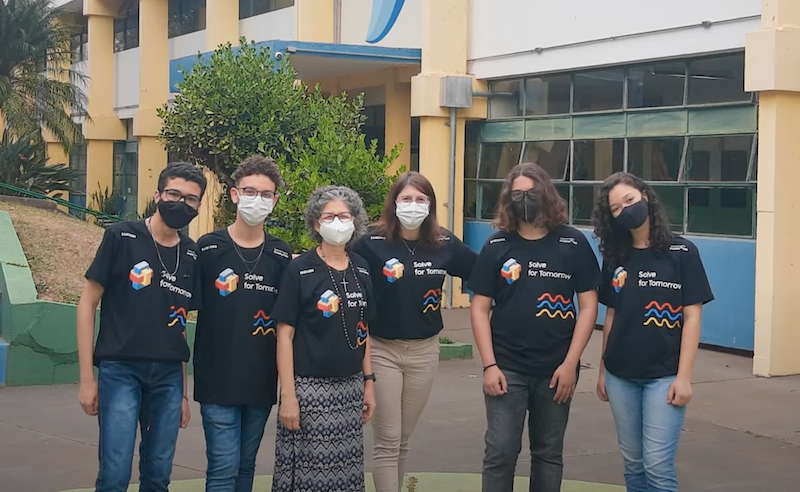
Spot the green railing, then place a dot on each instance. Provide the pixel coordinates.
(101, 216)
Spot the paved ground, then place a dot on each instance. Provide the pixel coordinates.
(742, 434)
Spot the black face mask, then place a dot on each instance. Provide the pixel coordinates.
(176, 215)
(634, 215)
(527, 208)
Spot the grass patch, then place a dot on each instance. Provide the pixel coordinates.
(59, 249)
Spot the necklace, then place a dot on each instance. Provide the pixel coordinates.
(343, 300)
(412, 251)
(158, 252)
(246, 262)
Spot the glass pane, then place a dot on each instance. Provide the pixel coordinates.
(471, 135)
(583, 197)
(547, 95)
(598, 91)
(261, 7)
(726, 211)
(281, 4)
(245, 9)
(132, 31)
(718, 158)
(657, 123)
(599, 126)
(672, 197)
(470, 199)
(717, 80)
(548, 128)
(119, 34)
(552, 156)
(656, 85)
(754, 171)
(655, 159)
(497, 160)
(736, 119)
(489, 196)
(508, 103)
(595, 160)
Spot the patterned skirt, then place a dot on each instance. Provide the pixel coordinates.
(327, 453)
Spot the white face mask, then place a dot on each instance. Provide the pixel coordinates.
(412, 215)
(337, 232)
(255, 210)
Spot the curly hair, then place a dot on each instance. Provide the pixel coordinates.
(616, 241)
(552, 207)
(322, 196)
(259, 165)
(389, 224)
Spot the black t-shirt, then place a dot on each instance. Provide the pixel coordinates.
(408, 287)
(234, 349)
(312, 299)
(144, 306)
(648, 293)
(533, 284)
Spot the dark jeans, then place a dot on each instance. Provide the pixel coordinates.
(233, 435)
(505, 418)
(146, 393)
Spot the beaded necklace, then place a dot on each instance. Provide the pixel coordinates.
(342, 299)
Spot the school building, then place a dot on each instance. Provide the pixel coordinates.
(701, 99)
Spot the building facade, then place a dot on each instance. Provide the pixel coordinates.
(700, 99)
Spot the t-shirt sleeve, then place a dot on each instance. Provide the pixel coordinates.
(462, 260)
(587, 273)
(197, 283)
(696, 289)
(287, 305)
(483, 280)
(102, 268)
(607, 296)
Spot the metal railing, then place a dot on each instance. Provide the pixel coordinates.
(101, 216)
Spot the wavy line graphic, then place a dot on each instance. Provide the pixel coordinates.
(177, 315)
(264, 332)
(430, 299)
(662, 323)
(663, 314)
(554, 306)
(553, 314)
(264, 322)
(431, 307)
(384, 15)
(664, 306)
(554, 299)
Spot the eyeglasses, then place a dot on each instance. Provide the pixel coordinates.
(252, 193)
(173, 195)
(519, 195)
(327, 218)
(419, 199)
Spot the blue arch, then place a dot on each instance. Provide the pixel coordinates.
(384, 15)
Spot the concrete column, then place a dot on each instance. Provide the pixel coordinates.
(104, 126)
(771, 68)
(398, 121)
(153, 93)
(222, 23)
(315, 20)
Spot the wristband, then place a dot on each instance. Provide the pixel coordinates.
(490, 365)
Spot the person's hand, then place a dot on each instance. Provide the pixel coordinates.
(186, 413)
(564, 380)
(369, 400)
(680, 392)
(494, 382)
(290, 413)
(87, 396)
(601, 386)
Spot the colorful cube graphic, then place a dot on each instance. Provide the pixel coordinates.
(227, 282)
(328, 303)
(393, 270)
(141, 275)
(618, 281)
(510, 270)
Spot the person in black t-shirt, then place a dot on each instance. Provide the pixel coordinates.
(145, 274)
(323, 309)
(235, 376)
(532, 269)
(654, 286)
(409, 256)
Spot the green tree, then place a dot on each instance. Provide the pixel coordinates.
(240, 102)
(38, 88)
(23, 163)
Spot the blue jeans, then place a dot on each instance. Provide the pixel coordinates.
(648, 429)
(233, 435)
(146, 393)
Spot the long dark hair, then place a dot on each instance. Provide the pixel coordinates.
(615, 240)
(389, 225)
(552, 207)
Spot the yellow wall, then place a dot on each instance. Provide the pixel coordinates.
(314, 20)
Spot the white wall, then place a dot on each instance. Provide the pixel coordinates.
(279, 24)
(126, 82)
(187, 45)
(406, 33)
(503, 34)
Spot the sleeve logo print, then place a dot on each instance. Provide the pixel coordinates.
(433, 299)
(227, 282)
(618, 281)
(141, 275)
(328, 303)
(177, 316)
(555, 306)
(361, 334)
(393, 270)
(510, 271)
(663, 315)
(263, 324)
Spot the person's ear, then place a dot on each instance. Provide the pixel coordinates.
(156, 196)
(234, 196)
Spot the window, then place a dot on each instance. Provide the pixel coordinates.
(126, 31)
(186, 16)
(250, 8)
(717, 80)
(718, 158)
(655, 159)
(79, 42)
(498, 159)
(374, 128)
(77, 161)
(656, 85)
(553, 156)
(600, 90)
(506, 99)
(547, 95)
(595, 160)
(472, 134)
(126, 172)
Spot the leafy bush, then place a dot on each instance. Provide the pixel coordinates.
(23, 163)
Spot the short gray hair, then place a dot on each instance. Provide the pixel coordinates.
(322, 196)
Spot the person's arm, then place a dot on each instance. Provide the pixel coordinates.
(186, 412)
(369, 386)
(601, 379)
(494, 381)
(681, 390)
(290, 408)
(87, 311)
(566, 375)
